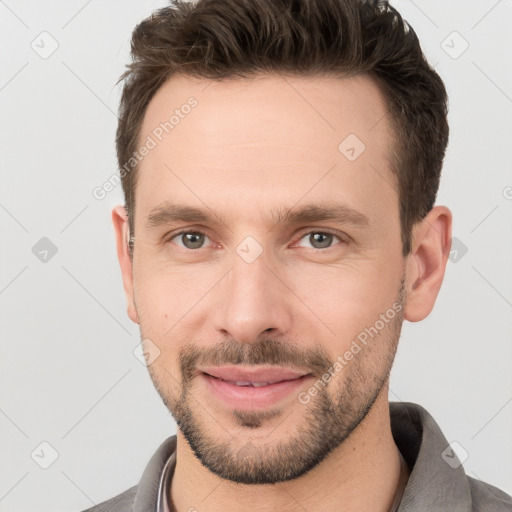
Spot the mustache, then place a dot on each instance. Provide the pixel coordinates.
(266, 352)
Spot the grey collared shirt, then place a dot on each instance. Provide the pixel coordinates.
(437, 481)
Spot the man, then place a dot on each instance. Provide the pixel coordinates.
(280, 162)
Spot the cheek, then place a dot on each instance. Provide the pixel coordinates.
(344, 301)
(163, 296)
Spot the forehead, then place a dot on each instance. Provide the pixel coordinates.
(264, 104)
(266, 138)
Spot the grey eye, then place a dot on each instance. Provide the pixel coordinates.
(320, 239)
(191, 239)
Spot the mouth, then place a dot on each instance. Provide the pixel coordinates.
(250, 389)
(247, 376)
(250, 383)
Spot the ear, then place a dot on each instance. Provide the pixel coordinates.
(121, 227)
(426, 264)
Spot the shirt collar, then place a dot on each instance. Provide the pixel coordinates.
(433, 484)
(162, 504)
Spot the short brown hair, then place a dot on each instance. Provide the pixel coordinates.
(218, 39)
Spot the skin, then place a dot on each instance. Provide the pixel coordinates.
(248, 147)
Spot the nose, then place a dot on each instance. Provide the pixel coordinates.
(253, 298)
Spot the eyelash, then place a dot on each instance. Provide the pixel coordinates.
(323, 232)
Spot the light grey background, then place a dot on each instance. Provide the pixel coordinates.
(69, 376)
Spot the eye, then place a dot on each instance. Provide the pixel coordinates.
(190, 239)
(321, 239)
(195, 239)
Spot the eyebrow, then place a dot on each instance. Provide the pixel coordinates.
(168, 213)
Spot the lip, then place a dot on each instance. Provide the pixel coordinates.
(248, 374)
(249, 397)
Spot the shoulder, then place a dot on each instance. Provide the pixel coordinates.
(143, 497)
(121, 503)
(487, 498)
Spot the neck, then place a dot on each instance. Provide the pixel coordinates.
(363, 473)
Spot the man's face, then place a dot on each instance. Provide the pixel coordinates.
(251, 286)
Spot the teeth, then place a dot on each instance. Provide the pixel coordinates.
(255, 384)
(248, 383)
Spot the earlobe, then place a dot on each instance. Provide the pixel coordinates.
(426, 264)
(121, 228)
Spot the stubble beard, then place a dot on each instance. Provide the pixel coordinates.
(328, 419)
